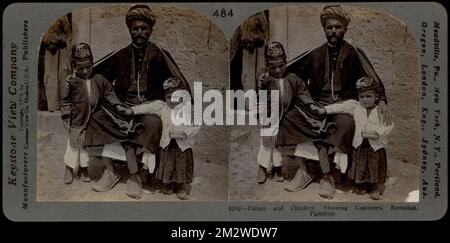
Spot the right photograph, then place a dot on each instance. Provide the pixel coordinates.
(348, 126)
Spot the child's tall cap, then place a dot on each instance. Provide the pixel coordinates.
(274, 51)
(366, 83)
(81, 52)
(172, 84)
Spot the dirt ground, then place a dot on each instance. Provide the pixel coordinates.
(210, 176)
(212, 181)
(402, 177)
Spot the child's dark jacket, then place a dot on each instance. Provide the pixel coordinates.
(77, 107)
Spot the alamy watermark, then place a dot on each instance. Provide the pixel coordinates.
(236, 112)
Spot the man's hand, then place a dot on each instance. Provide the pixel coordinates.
(383, 114)
(313, 107)
(120, 108)
(129, 112)
(124, 111)
(319, 110)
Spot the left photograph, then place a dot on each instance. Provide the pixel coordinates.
(110, 79)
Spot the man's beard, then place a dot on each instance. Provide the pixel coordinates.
(334, 40)
(140, 41)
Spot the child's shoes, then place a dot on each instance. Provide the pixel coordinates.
(167, 189)
(261, 177)
(182, 193)
(68, 175)
(360, 189)
(85, 177)
(375, 195)
(278, 174)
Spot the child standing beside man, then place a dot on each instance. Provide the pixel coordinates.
(293, 92)
(176, 166)
(369, 165)
(83, 92)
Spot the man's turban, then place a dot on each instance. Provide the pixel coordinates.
(336, 12)
(140, 12)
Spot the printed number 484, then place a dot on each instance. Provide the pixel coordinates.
(223, 13)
